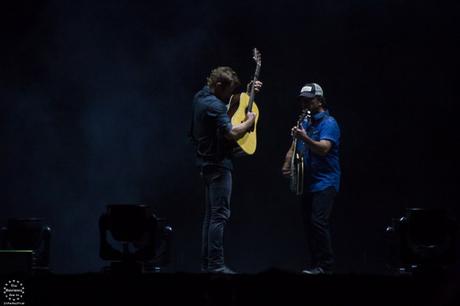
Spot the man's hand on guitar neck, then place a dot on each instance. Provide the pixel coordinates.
(257, 87)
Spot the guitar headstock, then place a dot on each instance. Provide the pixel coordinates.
(304, 114)
(257, 57)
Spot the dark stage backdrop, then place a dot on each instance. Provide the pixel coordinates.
(96, 100)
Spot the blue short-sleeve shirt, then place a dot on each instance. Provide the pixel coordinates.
(321, 172)
(210, 123)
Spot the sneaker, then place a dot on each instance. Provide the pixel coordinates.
(222, 270)
(316, 271)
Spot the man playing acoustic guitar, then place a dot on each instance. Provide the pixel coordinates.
(211, 130)
(319, 141)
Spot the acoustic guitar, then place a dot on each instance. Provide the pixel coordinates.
(297, 166)
(240, 105)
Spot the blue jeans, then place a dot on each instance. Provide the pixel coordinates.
(218, 188)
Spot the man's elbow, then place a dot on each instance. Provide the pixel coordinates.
(323, 152)
(231, 135)
(325, 148)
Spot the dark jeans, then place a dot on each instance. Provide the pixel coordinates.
(218, 187)
(316, 209)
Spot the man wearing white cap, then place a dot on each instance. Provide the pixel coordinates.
(318, 141)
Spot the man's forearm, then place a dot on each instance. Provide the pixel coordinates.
(239, 130)
(318, 147)
(289, 154)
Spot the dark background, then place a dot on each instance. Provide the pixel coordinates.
(95, 108)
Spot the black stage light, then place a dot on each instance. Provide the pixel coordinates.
(142, 236)
(25, 245)
(423, 240)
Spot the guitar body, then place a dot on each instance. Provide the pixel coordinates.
(297, 175)
(237, 113)
(239, 106)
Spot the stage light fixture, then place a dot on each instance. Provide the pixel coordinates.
(423, 240)
(25, 246)
(144, 238)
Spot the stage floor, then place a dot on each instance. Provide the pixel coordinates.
(268, 288)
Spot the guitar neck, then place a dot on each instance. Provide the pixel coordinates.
(251, 97)
(303, 115)
(257, 58)
(252, 93)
